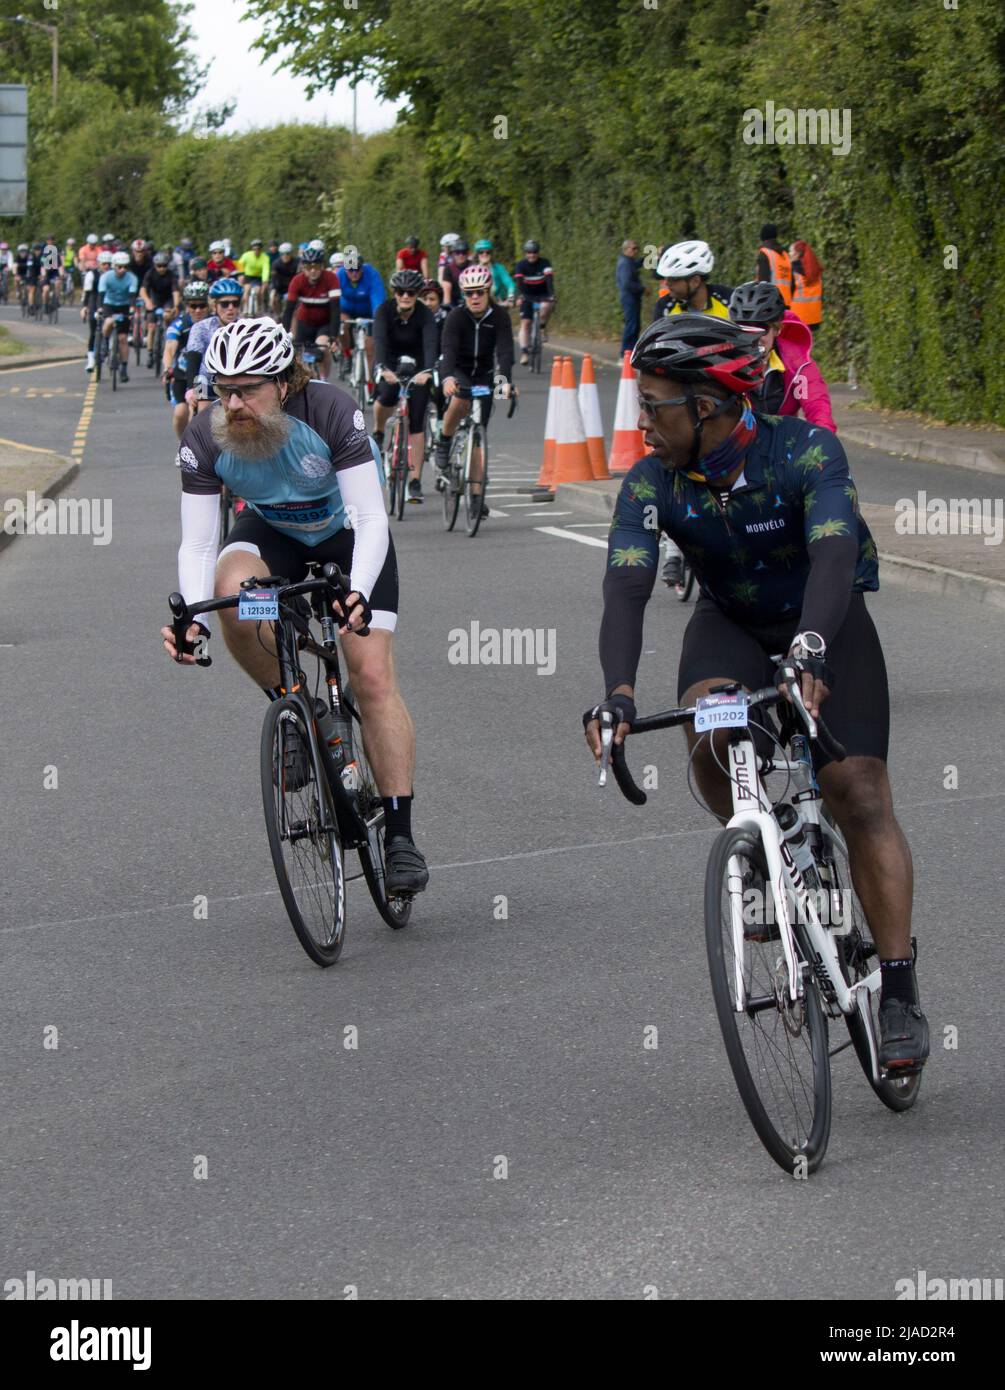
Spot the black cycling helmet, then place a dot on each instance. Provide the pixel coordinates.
(412, 242)
(531, 246)
(407, 280)
(756, 301)
(432, 287)
(310, 255)
(700, 349)
(461, 245)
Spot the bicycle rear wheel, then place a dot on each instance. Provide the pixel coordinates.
(859, 959)
(777, 1049)
(299, 819)
(474, 489)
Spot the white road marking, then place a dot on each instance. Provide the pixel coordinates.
(571, 536)
(548, 512)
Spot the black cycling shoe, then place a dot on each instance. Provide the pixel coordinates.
(405, 867)
(904, 1037)
(414, 490)
(442, 455)
(673, 571)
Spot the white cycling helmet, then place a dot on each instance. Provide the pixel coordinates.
(449, 240)
(257, 347)
(215, 246)
(92, 238)
(317, 244)
(120, 258)
(286, 248)
(684, 259)
(336, 259)
(105, 258)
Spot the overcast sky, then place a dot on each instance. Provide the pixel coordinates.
(264, 96)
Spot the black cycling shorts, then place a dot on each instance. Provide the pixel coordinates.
(529, 300)
(857, 711)
(178, 388)
(282, 555)
(464, 385)
(306, 334)
(418, 398)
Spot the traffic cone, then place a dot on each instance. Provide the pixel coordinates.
(547, 475)
(627, 446)
(572, 457)
(589, 405)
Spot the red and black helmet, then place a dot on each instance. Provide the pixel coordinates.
(696, 348)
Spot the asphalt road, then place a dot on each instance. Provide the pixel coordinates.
(480, 1037)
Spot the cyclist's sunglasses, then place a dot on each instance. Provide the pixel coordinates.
(474, 294)
(650, 407)
(405, 294)
(241, 392)
(228, 304)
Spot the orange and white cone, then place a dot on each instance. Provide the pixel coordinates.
(572, 457)
(547, 475)
(589, 406)
(627, 446)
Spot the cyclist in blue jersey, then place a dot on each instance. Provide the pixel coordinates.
(117, 291)
(362, 291)
(196, 308)
(767, 513)
(225, 302)
(297, 451)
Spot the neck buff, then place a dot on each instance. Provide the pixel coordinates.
(714, 465)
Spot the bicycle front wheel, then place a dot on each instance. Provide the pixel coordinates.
(474, 488)
(453, 481)
(300, 822)
(777, 1048)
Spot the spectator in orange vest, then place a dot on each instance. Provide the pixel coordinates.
(808, 294)
(773, 264)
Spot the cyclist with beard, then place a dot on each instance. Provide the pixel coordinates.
(684, 269)
(768, 514)
(297, 451)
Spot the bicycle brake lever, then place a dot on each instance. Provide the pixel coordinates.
(793, 686)
(606, 742)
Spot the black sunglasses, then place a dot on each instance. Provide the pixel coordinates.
(474, 294)
(228, 304)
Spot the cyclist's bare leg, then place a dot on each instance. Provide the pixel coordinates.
(546, 309)
(857, 792)
(388, 732)
(253, 648)
(381, 415)
(456, 411)
(181, 419)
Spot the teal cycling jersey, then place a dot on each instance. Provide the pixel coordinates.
(749, 546)
(296, 488)
(118, 291)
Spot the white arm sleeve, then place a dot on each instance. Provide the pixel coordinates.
(200, 530)
(364, 505)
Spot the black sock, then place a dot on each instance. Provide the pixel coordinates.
(397, 816)
(898, 981)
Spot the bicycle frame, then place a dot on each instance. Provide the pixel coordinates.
(752, 811)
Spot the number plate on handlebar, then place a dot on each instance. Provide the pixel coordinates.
(720, 712)
(481, 390)
(258, 605)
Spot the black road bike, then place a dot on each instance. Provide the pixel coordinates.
(318, 790)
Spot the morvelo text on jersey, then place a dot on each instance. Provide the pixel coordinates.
(295, 490)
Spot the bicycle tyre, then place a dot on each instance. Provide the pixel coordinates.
(810, 1020)
(390, 472)
(535, 346)
(308, 811)
(472, 500)
(158, 346)
(113, 356)
(401, 464)
(685, 588)
(395, 911)
(853, 947)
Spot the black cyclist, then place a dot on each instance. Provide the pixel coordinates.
(402, 327)
(535, 284)
(684, 269)
(766, 511)
(297, 451)
(476, 337)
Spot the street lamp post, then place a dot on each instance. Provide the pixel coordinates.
(53, 31)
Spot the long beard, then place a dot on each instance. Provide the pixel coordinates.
(254, 437)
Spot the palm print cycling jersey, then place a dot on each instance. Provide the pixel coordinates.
(748, 547)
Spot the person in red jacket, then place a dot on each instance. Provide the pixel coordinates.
(792, 381)
(219, 263)
(413, 257)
